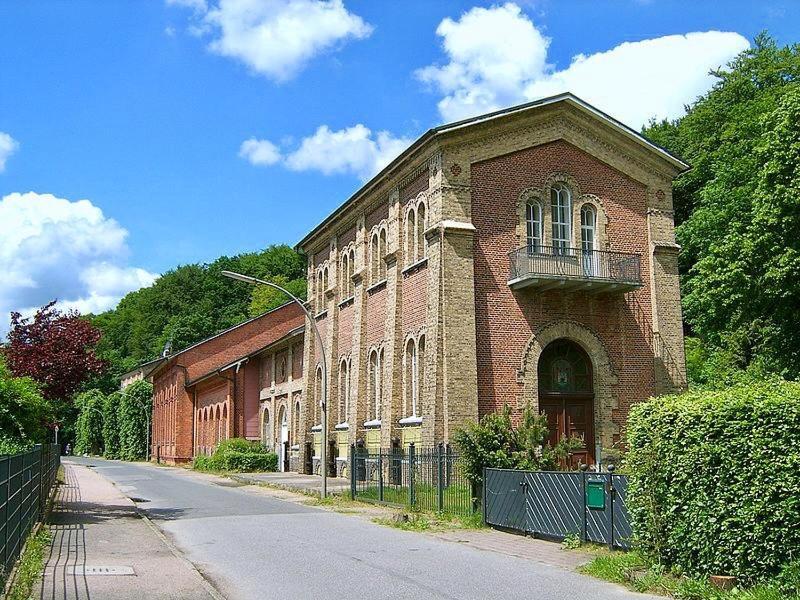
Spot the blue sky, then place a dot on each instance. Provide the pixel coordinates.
(144, 111)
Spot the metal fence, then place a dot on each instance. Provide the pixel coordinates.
(576, 263)
(25, 483)
(554, 505)
(417, 478)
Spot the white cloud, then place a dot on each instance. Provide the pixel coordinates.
(8, 146)
(275, 38)
(259, 152)
(54, 248)
(353, 150)
(497, 58)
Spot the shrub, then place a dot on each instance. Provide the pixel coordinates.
(23, 412)
(89, 426)
(495, 442)
(134, 408)
(715, 478)
(111, 425)
(238, 455)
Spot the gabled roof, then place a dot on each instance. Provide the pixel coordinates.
(566, 98)
(242, 340)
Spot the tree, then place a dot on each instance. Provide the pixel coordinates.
(738, 211)
(24, 412)
(54, 348)
(89, 425)
(266, 298)
(111, 425)
(188, 304)
(132, 417)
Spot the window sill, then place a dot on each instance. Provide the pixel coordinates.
(321, 315)
(342, 427)
(413, 267)
(411, 421)
(373, 424)
(316, 428)
(376, 286)
(347, 302)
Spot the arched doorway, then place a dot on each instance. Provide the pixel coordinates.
(284, 440)
(566, 396)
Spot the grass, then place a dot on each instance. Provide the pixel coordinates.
(639, 573)
(30, 566)
(456, 499)
(430, 521)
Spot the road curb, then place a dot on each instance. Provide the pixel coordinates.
(213, 592)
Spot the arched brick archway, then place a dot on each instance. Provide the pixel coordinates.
(604, 377)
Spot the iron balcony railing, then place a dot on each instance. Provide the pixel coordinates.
(565, 263)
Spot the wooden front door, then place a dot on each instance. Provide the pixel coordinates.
(566, 397)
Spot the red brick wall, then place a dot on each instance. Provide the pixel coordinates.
(415, 299)
(376, 316)
(251, 400)
(297, 361)
(506, 320)
(415, 186)
(345, 337)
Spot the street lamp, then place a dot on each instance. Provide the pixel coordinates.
(324, 401)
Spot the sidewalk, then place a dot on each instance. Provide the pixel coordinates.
(101, 548)
(295, 482)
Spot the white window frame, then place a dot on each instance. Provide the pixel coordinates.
(561, 213)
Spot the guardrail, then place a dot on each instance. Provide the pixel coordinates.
(25, 483)
(558, 262)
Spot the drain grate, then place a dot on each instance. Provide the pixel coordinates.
(100, 570)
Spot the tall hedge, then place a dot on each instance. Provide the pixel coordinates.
(715, 479)
(111, 425)
(132, 417)
(89, 427)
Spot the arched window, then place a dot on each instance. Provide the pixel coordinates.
(588, 227)
(382, 254)
(411, 237)
(344, 390)
(317, 396)
(561, 205)
(533, 225)
(374, 270)
(417, 408)
(352, 262)
(591, 263)
(344, 274)
(410, 379)
(375, 385)
(564, 368)
(421, 246)
(296, 421)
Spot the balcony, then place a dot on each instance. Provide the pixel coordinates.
(556, 267)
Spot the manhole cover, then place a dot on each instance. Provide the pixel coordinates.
(100, 570)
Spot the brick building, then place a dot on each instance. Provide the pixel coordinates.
(521, 257)
(215, 389)
(524, 257)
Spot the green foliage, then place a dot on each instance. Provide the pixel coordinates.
(738, 211)
(238, 455)
(89, 426)
(496, 442)
(132, 419)
(30, 566)
(188, 304)
(23, 413)
(715, 478)
(265, 298)
(111, 446)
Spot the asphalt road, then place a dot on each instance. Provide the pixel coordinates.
(253, 546)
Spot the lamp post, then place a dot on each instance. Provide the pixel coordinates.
(324, 400)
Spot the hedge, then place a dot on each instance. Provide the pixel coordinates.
(238, 455)
(89, 426)
(111, 425)
(132, 417)
(715, 479)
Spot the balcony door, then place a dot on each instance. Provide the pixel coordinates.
(566, 397)
(588, 240)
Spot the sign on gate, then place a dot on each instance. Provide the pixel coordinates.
(555, 504)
